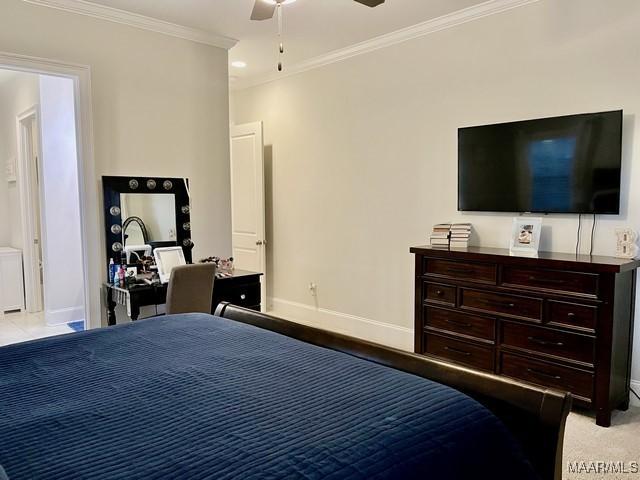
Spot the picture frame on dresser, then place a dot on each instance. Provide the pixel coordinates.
(525, 236)
(562, 321)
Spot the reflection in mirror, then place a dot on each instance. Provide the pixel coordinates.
(156, 214)
(135, 232)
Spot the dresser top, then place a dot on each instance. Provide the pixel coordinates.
(588, 263)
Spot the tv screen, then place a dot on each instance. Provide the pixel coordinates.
(567, 164)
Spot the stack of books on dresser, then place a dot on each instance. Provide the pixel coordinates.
(440, 235)
(460, 235)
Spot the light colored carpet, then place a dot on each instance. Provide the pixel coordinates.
(586, 442)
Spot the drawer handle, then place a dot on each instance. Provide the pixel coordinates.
(439, 293)
(543, 374)
(459, 324)
(500, 304)
(571, 314)
(459, 352)
(459, 270)
(243, 297)
(546, 280)
(545, 342)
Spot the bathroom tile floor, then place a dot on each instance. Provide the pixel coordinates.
(22, 327)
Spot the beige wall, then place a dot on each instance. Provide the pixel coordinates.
(364, 157)
(18, 93)
(160, 105)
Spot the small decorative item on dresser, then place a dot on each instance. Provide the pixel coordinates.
(525, 236)
(626, 243)
(440, 235)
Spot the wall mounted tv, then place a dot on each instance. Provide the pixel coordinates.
(567, 164)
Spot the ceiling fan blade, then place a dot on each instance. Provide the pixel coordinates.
(262, 10)
(370, 3)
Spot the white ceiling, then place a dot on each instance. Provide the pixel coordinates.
(311, 27)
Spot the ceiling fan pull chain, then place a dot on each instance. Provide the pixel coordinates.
(281, 45)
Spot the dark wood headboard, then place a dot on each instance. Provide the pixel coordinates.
(535, 416)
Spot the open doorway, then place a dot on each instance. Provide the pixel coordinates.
(40, 221)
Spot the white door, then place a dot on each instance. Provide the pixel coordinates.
(36, 189)
(29, 174)
(247, 200)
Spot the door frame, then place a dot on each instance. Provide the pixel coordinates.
(90, 212)
(34, 290)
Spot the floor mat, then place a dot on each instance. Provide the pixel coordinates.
(77, 326)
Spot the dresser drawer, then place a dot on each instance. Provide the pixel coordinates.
(558, 280)
(472, 355)
(578, 382)
(460, 323)
(572, 315)
(510, 305)
(469, 271)
(439, 293)
(570, 346)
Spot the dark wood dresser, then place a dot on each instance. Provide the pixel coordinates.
(558, 320)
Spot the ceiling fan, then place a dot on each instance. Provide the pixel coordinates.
(265, 9)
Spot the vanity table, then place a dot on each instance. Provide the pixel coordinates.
(145, 213)
(242, 288)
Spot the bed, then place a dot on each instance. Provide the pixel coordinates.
(242, 395)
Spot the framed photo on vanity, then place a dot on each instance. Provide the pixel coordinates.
(525, 236)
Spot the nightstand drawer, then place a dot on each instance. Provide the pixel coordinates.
(472, 355)
(243, 294)
(439, 293)
(460, 323)
(563, 378)
(570, 346)
(511, 305)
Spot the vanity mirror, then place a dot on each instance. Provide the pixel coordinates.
(146, 211)
(149, 219)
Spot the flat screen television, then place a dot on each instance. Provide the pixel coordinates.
(568, 164)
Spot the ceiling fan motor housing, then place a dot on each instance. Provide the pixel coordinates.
(264, 9)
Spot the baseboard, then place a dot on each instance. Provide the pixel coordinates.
(635, 385)
(64, 315)
(360, 327)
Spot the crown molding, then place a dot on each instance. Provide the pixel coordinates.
(450, 20)
(82, 7)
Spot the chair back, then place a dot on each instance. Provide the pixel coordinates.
(191, 288)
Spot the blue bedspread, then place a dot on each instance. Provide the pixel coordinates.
(199, 397)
